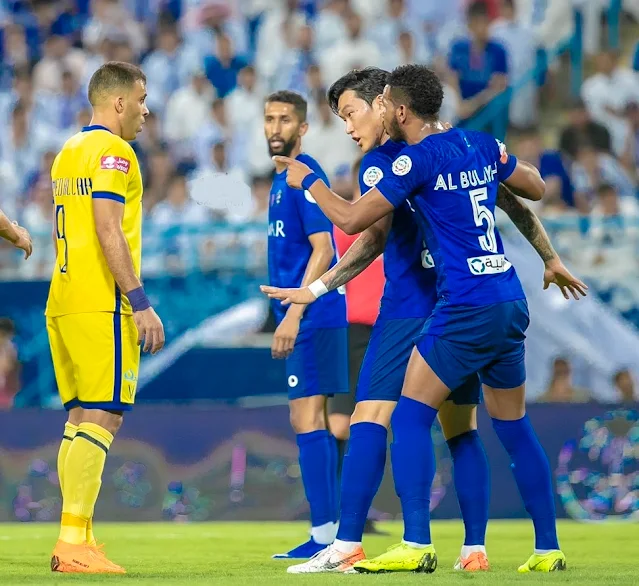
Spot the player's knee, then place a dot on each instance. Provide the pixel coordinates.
(373, 412)
(109, 420)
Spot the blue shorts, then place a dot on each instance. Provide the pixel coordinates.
(318, 364)
(381, 377)
(460, 341)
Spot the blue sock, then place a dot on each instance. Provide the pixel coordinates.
(472, 484)
(413, 459)
(334, 479)
(532, 474)
(318, 474)
(362, 474)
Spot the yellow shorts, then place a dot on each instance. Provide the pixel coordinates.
(96, 359)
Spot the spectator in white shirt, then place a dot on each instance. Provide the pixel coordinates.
(630, 157)
(36, 218)
(167, 68)
(395, 24)
(353, 52)
(245, 103)
(593, 168)
(214, 17)
(607, 93)
(187, 109)
(327, 142)
(521, 45)
(277, 34)
(330, 25)
(108, 16)
(215, 127)
(59, 56)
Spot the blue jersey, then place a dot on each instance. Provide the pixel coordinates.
(451, 180)
(410, 289)
(293, 216)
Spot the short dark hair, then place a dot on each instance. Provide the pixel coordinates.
(7, 326)
(605, 189)
(477, 9)
(288, 97)
(419, 88)
(113, 76)
(367, 83)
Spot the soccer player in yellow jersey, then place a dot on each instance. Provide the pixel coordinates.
(97, 312)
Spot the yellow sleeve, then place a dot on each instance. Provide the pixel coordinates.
(111, 172)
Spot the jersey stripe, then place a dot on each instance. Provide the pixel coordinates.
(108, 195)
(117, 347)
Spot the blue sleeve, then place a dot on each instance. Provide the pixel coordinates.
(372, 169)
(408, 173)
(313, 218)
(500, 61)
(505, 163)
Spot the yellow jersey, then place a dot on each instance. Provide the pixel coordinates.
(94, 163)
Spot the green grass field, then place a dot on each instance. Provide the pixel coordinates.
(238, 553)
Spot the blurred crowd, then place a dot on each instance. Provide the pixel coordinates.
(210, 63)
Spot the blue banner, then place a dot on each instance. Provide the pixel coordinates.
(227, 463)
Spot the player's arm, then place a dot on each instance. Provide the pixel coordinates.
(356, 259)
(525, 181)
(320, 259)
(350, 217)
(533, 230)
(17, 235)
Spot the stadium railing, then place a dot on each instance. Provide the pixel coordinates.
(194, 273)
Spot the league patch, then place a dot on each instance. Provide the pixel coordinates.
(402, 165)
(372, 176)
(112, 163)
(502, 152)
(308, 196)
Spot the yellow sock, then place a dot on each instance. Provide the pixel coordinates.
(83, 469)
(65, 444)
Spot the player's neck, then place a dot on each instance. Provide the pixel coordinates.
(420, 129)
(114, 127)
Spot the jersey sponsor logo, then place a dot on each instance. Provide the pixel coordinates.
(112, 163)
(309, 197)
(276, 229)
(402, 165)
(503, 154)
(276, 198)
(488, 265)
(372, 176)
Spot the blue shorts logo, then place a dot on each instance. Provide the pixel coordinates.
(293, 381)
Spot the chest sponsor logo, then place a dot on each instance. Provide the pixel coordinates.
(488, 265)
(276, 197)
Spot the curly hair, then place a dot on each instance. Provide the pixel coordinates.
(418, 88)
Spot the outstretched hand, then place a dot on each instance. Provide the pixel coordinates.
(295, 171)
(298, 296)
(557, 274)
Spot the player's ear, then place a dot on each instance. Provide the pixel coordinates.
(119, 104)
(378, 105)
(303, 128)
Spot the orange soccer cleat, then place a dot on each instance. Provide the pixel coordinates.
(475, 562)
(81, 559)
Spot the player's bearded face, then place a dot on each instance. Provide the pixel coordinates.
(391, 124)
(282, 128)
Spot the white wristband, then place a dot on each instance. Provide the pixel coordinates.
(317, 288)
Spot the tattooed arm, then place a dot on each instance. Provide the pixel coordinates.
(357, 258)
(526, 222)
(532, 229)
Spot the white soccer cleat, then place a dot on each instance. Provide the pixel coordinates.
(330, 560)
